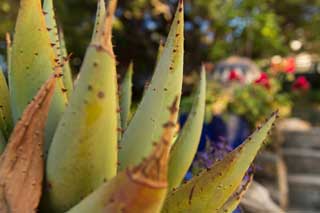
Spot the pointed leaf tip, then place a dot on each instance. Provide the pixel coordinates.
(185, 147)
(104, 34)
(142, 188)
(8, 40)
(212, 188)
(126, 97)
(94, 101)
(166, 84)
(22, 164)
(32, 62)
(156, 165)
(235, 199)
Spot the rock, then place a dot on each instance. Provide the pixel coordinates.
(305, 192)
(302, 161)
(257, 199)
(272, 173)
(309, 139)
(266, 163)
(293, 124)
(310, 113)
(302, 211)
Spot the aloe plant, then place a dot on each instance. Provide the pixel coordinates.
(84, 171)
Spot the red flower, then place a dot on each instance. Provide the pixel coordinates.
(301, 83)
(290, 65)
(234, 76)
(263, 80)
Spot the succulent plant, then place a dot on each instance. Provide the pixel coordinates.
(63, 152)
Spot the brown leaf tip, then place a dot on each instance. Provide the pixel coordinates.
(8, 40)
(152, 171)
(21, 165)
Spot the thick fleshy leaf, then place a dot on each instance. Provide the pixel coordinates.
(52, 28)
(212, 188)
(66, 69)
(3, 142)
(9, 51)
(142, 188)
(166, 84)
(126, 97)
(83, 153)
(6, 123)
(185, 147)
(56, 38)
(160, 50)
(22, 163)
(234, 201)
(100, 15)
(32, 63)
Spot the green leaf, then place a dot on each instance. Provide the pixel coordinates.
(52, 28)
(83, 153)
(100, 15)
(234, 201)
(160, 50)
(142, 188)
(126, 97)
(185, 147)
(66, 69)
(211, 189)
(2, 143)
(32, 64)
(57, 38)
(6, 123)
(166, 84)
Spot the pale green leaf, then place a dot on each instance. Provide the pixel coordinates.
(185, 147)
(57, 38)
(100, 15)
(66, 69)
(126, 97)
(234, 201)
(6, 123)
(142, 188)
(2, 143)
(166, 84)
(208, 191)
(83, 153)
(32, 63)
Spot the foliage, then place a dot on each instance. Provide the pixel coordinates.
(216, 29)
(254, 102)
(81, 128)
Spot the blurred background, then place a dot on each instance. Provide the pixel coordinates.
(215, 29)
(260, 56)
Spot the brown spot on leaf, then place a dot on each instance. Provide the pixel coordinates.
(191, 194)
(101, 94)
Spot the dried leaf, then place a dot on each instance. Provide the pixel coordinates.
(22, 163)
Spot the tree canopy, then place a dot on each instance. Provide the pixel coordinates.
(214, 29)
